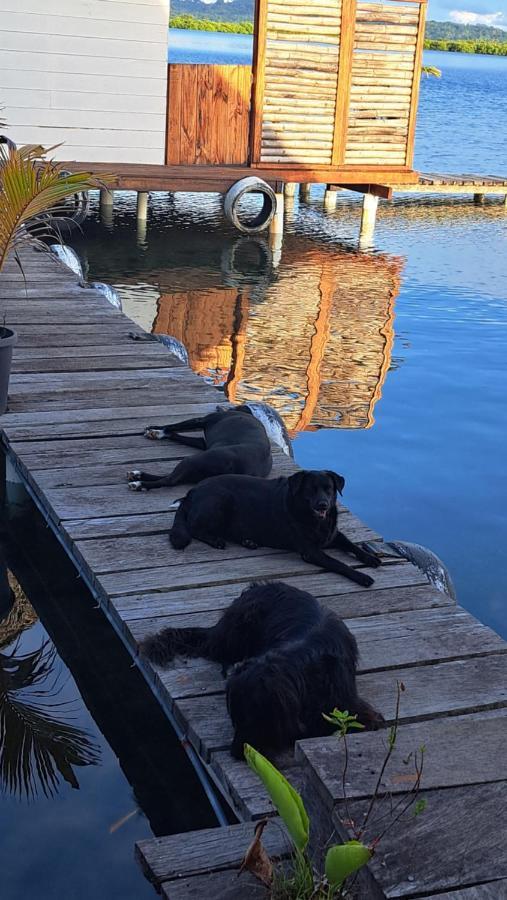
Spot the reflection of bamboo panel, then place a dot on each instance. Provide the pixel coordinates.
(279, 336)
(205, 323)
(358, 352)
(319, 348)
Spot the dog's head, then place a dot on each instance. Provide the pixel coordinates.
(315, 491)
(264, 699)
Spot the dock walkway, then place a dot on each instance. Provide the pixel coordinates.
(81, 394)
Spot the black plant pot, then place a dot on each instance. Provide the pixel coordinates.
(8, 339)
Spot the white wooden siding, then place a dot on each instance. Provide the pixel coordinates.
(89, 73)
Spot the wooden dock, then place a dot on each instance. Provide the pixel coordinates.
(81, 393)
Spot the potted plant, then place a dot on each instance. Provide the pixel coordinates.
(32, 191)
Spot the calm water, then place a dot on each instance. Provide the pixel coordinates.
(388, 366)
(73, 836)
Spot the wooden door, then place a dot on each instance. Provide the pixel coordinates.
(208, 114)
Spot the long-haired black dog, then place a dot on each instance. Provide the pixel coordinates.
(293, 660)
(234, 441)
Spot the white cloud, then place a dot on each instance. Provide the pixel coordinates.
(463, 17)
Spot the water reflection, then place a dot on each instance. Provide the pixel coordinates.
(315, 344)
(313, 336)
(39, 745)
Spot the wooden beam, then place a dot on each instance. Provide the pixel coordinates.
(258, 65)
(416, 83)
(344, 80)
(379, 190)
(142, 177)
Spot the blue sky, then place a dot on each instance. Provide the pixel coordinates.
(470, 12)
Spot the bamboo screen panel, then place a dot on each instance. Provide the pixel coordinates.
(300, 78)
(383, 62)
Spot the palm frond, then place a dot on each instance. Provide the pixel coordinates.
(32, 190)
(36, 745)
(432, 70)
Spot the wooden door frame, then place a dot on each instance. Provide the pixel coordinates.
(257, 98)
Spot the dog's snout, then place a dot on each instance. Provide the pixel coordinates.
(322, 505)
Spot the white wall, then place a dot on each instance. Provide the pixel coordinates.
(90, 73)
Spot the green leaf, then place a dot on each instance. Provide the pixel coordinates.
(344, 859)
(420, 806)
(287, 800)
(343, 720)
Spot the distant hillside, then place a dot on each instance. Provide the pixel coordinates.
(243, 11)
(220, 11)
(449, 31)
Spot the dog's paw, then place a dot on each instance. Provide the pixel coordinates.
(250, 545)
(136, 486)
(133, 475)
(364, 580)
(217, 543)
(154, 433)
(370, 559)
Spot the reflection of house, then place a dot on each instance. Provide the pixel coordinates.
(204, 321)
(318, 345)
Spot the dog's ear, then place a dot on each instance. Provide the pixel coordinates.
(295, 482)
(338, 481)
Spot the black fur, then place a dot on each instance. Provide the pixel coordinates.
(296, 513)
(234, 442)
(293, 660)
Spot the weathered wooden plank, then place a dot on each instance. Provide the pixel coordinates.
(126, 347)
(283, 566)
(244, 787)
(99, 363)
(103, 398)
(32, 337)
(128, 449)
(40, 315)
(458, 751)
(420, 637)
(492, 890)
(54, 298)
(96, 380)
(228, 885)
(190, 397)
(459, 840)
(64, 416)
(210, 849)
(347, 599)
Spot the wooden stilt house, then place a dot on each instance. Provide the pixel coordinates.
(331, 95)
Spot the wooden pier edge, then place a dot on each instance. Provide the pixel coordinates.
(67, 428)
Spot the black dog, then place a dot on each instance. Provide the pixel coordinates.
(296, 513)
(234, 442)
(293, 660)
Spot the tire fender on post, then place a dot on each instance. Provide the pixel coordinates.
(260, 220)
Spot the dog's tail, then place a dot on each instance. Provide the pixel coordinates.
(179, 534)
(161, 648)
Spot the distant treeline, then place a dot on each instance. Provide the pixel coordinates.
(196, 24)
(452, 31)
(491, 48)
(473, 45)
